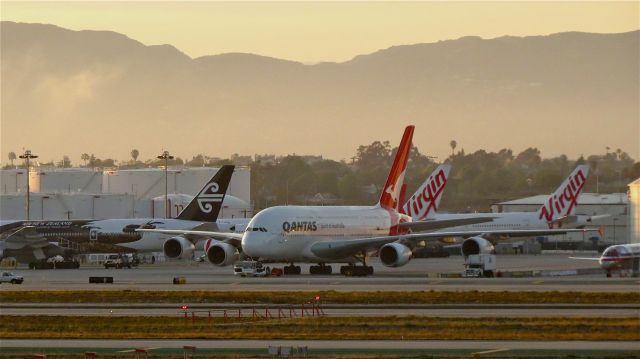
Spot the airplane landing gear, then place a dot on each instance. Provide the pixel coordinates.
(292, 270)
(356, 271)
(320, 269)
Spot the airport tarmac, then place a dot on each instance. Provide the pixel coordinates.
(419, 274)
(451, 347)
(333, 310)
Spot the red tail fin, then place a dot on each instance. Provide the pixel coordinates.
(391, 190)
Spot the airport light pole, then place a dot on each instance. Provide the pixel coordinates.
(27, 155)
(166, 157)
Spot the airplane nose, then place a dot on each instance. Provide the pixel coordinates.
(251, 244)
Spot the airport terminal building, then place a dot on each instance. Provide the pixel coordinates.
(82, 193)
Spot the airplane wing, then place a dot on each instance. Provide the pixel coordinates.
(25, 237)
(196, 235)
(433, 224)
(335, 249)
(586, 258)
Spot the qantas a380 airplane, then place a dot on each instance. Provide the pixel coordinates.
(334, 234)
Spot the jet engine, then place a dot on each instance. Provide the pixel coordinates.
(178, 248)
(395, 254)
(221, 253)
(477, 245)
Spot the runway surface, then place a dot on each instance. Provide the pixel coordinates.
(418, 275)
(334, 310)
(397, 346)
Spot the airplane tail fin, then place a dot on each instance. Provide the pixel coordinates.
(562, 203)
(206, 206)
(425, 201)
(391, 190)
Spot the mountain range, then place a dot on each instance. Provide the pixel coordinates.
(69, 92)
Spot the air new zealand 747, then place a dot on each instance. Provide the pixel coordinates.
(26, 240)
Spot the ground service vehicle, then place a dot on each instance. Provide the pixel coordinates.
(479, 265)
(251, 269)
(120, 261)
(8, 277)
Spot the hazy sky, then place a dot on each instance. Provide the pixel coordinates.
(322, 31)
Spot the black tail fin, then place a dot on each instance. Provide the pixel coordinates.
(206, 206)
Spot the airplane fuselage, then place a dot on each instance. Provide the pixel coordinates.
(620, 256)
(287, 232)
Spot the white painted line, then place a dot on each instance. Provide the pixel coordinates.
(492, 351)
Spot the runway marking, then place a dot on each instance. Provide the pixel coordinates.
(492, 351)
(537, 282)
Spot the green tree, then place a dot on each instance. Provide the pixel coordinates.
(12, 157)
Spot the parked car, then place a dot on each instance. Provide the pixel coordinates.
(8, 277)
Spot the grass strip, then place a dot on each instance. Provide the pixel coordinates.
(323, 328)
(380, 297)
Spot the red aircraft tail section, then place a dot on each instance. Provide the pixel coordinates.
(391, 191)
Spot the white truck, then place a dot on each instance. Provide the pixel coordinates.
(251, 269)
(479, 265)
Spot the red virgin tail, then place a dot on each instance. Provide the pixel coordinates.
(391, 190)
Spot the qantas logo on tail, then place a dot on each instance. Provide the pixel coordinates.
(427, 198)
(395, 180)
(564, 200)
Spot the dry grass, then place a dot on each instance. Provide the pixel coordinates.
(552, 328)
(424, 297)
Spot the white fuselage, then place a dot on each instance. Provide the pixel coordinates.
(287, 232)
(619, 256)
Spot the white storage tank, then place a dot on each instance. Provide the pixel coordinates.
(14, 181)
(68, 180)
(232, 207)
(53, 206)
(149, 182)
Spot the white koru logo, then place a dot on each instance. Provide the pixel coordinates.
(208, 196)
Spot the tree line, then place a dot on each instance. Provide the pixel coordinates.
(476, 181)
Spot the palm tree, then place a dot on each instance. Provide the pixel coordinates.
(12, 156)
(85, 157)
(134, 154)
(453, 145)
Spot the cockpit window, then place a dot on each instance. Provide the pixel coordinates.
(611, 252)
(255, 229)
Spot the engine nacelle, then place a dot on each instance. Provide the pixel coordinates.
(477, 245)
(220, 253)
(395, 254)
(178, 248)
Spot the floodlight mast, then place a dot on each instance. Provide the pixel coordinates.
(166, 157)
(27, 155)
